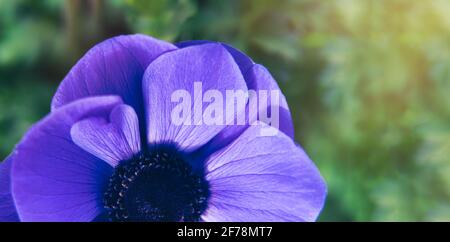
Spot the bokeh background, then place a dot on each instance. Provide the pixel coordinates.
(368, 82)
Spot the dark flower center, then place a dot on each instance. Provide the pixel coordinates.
(156, 186)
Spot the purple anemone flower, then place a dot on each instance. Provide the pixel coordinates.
(109, 151)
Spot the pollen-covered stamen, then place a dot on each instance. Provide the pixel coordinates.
(157, 186)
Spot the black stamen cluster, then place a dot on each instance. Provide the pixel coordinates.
(156, 186)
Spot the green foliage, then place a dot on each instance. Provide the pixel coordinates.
(21, 103)
(27, 28)
(159, 17)
(367, 82)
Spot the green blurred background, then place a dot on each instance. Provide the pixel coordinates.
(368, 82)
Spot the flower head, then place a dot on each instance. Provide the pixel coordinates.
(110, 151)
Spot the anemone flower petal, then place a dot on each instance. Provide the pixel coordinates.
(242, 60)
(258, 78)
(263, 178)
(112, 140)
(208, 65)
(52, 178)
(113, 67)
(7, 209)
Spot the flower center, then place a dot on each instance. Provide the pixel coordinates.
(156, 186)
